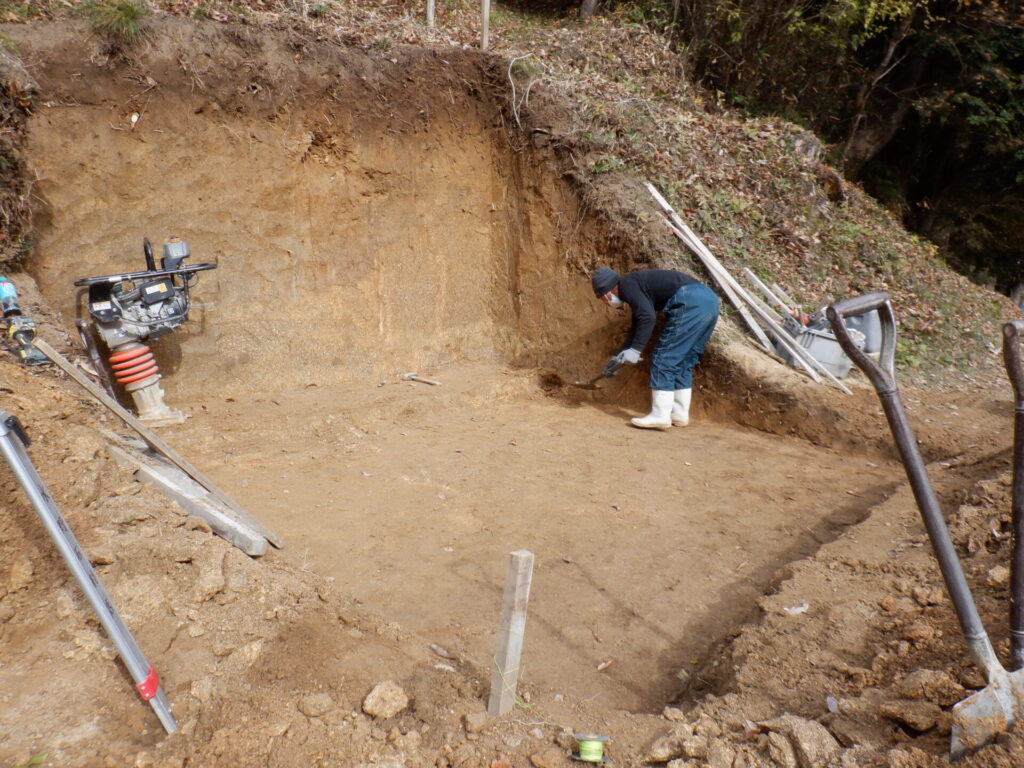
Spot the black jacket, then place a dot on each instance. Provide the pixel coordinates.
(647, 291)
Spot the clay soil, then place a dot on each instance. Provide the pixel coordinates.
(372, 215)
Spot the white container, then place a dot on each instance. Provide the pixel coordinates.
(823, 347)
(870, 324)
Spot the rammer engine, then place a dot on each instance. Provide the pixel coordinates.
(128, 309)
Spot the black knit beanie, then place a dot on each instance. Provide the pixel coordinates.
(604, 280)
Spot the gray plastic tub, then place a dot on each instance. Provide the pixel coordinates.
(822, 346)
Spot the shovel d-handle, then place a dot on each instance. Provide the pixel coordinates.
(883, 376)
(1015, 370)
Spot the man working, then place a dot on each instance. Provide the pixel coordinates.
(691, 311)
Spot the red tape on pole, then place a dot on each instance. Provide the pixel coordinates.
(147, 688)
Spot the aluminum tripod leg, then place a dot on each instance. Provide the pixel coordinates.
(12, 445)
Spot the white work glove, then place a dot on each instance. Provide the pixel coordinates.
(629, 356)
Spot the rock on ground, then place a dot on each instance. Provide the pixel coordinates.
(316, 704)
(813, 745)
(387, 699)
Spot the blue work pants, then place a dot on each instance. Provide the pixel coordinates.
(690, 317)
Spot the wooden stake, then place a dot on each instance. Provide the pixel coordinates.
(505, 675)
(430, 13)
(485, 23)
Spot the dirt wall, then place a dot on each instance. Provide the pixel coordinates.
(367, 215)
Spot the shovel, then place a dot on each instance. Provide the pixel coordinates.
(978, 719)
(1015, 370)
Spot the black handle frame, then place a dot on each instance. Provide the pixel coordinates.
(1015, 370)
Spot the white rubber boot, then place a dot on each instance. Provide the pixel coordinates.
(660, 416)
(681, 407)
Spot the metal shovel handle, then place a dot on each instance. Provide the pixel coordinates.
(1015, 370)
(883, 373)
(883, 377)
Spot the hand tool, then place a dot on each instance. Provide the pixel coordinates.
(13, 441)
(1015, 370)
(421, 379)
(592, 384)
(979, 718)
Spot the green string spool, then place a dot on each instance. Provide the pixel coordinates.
(591, 748)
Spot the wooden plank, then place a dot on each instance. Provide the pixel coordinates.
(716, 269)
(783, 295)
(485, 24)
(730, 293)
(186, 493)
(505, 675)
(757, 283)
(765, 309)
(151, 439)
(806, 360)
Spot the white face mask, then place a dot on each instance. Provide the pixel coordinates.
(614, 300)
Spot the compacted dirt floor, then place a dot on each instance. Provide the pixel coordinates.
(411, 496)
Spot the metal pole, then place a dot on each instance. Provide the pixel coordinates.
(146, 681)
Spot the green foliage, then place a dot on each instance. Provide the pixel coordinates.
(9, 45)
(119, 21)
(20, 9)
(33, 761)
(606, 163)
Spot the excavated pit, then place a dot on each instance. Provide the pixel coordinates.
(373, 215)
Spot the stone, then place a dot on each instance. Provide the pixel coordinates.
(813, 745)
(707, 726)
(673, 714)
(780, 751)
(849, 733)
(387, 699)
(316, 704)
(565, 739)
(552, 757)
(719, 754)
(908, 757)
(475, 722)
(669, 746)
(917, 715)
(935, 686)
(102, 555)
(746, 758)
(20, 575)
(696, 746)
(860, 756)
(918, 632)
(209, 561)
(998, 576)
(925, 596)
